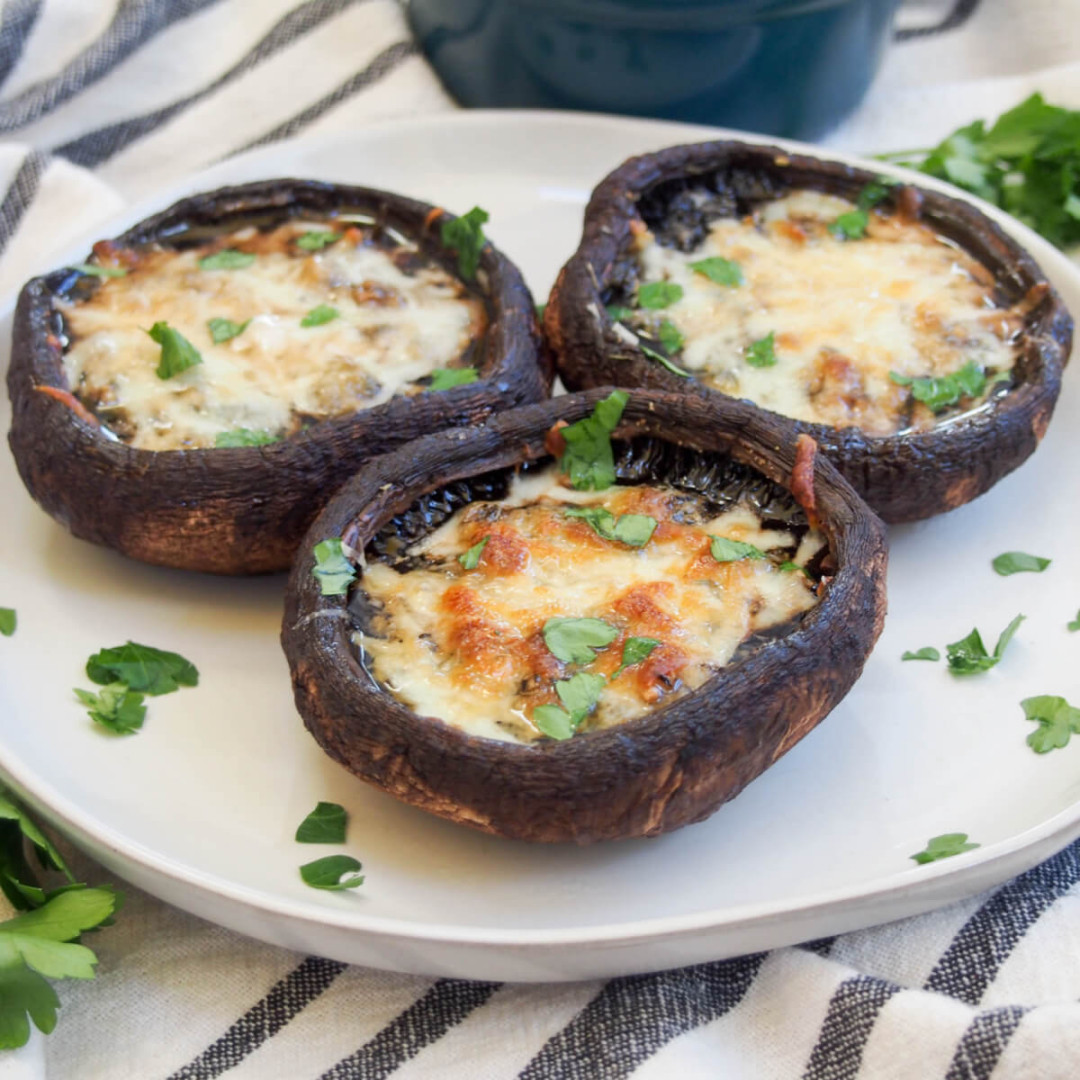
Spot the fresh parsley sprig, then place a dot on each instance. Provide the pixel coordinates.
(588, 459)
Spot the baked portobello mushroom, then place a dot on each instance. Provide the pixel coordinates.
(194, 392)
(580, 621)
(914, 340)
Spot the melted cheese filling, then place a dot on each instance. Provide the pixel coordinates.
(845, 313)
(399, 318)
(467, 646)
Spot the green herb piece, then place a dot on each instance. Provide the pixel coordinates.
(720, 271)
(316, 240)
(588, 459)
(762, 353)
(327, 873)
(319, 316)
(654, 295)
(850, 226)
(794, 567)
(928, 652)
(575, 641)
(324, 825)
(725, 550)
(619, 314)
(446, 378)
(229, 259)
(471, 558)
(93, 270)
(634, 530)
(142, 668)
(579, 694)
(671, 336)
(944, 846)
(1075, 624)
(177, 353)
(222, 330)
(8, 621)
(553, 722)
(1057, 720)
(661, 359)
(968, 656)
(1016, 562)
(634, 651)
(540, 309)
(333, 570)
(875, 192)
(465, 236)
(115, 707)
(244, 437)
(939, 392)
(14, 826)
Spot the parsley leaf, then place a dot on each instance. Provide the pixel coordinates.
(944, 846)
(1057, 720)
(229, 259)
(671, 336)
(850, 226)
(718, 270)
(319, 316)
(327, 873)
(575, 641)
(619, 314)
(794, 567)
(634, 651)
(47, 854)
(115, 707)
(928, 652)
(1015, 562)
(324, 825)
(8, 621)
(244, 437)
(588, 459)
(968, 656)
(222, 330)
(634, 530)
(725, 550)
(875, 192)
(465, 236)
(142, 668)
(940, 391)
(579, 694)
(658, 294)
(762, 353)
(93, 270)
(471, 558)
(332, 569)
(316, 240)
(177, 353)
(1075, 624)
(663, 360)
(446, 378)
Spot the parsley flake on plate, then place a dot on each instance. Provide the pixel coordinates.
(115, 708)
(332, 569)
(244, 437)
(222, 330)
(634, 530)
(177, 353)
(575, 641)
(634, 651)
(8, 621)
(938, 392)
(465, 236)
(228, 259)
(447, 378)
(471, 559)
(655, 295)
(1075, 624)
(725, 550)
(324, 825)
(943, 847)
(719, 271)
(1057, 720)
(928, 652)
(328, 873)
(317, 239)
(1016, 562)
(968, 656)
(320, 316)
(142, 668)
(588, 459)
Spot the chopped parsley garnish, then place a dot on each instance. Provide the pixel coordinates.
(142, 668)
(1075, 624)
(319, 316)
(928, 652)
(588, 459)
(850, 226)
(1016, 562)
(465, 236)
(875, 192)
(1057, 720)
(229, 259)
(93, 270)
(944, 846)
(575, 641)
(634, 651)
(658, 294)
(579, 694)
(328, 873)
(968, 656)
(222, 330)
(332, 568)
(794, 567)
(940, 391)
(670, 336)
(317, 239)
(446, 378)
(471, 558)
(177, 353)
(619, 314)
(244, 437)
(725, 550)
(324, 825)
(719, 271)
(762, 353)
(661, 359)
(634, 530)
(8, 621)
(114, 707)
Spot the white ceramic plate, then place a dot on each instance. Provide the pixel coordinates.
(200, 807)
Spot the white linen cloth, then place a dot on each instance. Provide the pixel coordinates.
(106, 100)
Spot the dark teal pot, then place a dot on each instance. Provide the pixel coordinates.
(782, 67)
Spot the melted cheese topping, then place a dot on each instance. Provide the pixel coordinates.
(400, 317)
(845, 313)
(467, 645)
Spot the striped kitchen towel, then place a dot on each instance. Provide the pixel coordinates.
(102, 101)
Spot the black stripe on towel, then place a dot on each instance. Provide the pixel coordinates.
(263, 1020)
(16, 22)
(972, 960)
(426, 1021)
(633, 1017)
(982, 1044)
(961, 11)
(91, 149)
(853, 1011)
(21, 194)
(133, 25)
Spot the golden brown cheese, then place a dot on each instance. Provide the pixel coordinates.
(467, 646)
(845, 314)
(399, 318)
